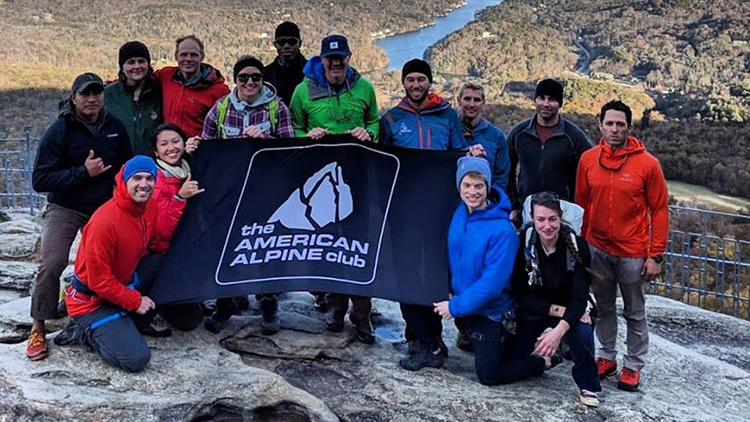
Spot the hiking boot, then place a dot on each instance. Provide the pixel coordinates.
(36, 348)
(552, 361)
(606, 367)
(151, 331)
(62, 309)
(463, 341)
(270, 323)
(320, 303)
(215, 323)
(242, 303)
(413, 346)
(424, 357)
(364, 329)
(630, 379)
(68, 335)
(335, 321)
(589, 398)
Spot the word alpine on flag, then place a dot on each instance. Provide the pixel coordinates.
(336, 216)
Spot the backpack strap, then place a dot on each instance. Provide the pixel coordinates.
(273, 112)
(222, 109)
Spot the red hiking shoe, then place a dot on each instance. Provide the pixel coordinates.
(36, 348)
(606, 367)
(630, 380)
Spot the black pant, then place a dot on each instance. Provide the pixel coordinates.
(580, 339)
(183, 316)
(493, 364)
(422, 324)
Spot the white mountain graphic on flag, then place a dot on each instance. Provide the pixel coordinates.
(324, 199)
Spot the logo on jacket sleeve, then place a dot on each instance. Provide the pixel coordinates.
(331, 225)
(324, 199)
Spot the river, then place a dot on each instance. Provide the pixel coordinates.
(403, 47)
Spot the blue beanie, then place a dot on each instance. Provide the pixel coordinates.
(473, 165)
(138, 164)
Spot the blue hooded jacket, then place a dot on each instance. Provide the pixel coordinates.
(482, 249)
(437, 126)
(494, 143)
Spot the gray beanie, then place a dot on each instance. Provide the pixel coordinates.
(473, 165)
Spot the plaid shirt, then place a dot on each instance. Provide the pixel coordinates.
(236, 122)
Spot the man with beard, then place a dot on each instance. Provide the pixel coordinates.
(285, 73)
(544, 150)
(190, 89)
(422, 120)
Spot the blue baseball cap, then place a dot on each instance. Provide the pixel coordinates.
(335, 45)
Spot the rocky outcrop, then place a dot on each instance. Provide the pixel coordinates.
(699, 370)
(21, 239)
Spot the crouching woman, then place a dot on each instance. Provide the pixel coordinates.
(482, 246)
(551, 286)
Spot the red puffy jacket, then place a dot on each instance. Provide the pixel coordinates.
(187, 106)
(114, 240)
(169, 207)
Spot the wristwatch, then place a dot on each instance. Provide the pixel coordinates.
(658, 259)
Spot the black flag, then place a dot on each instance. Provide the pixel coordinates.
(336, 216)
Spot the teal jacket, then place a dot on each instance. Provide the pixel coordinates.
(140, 118)
(316, 104)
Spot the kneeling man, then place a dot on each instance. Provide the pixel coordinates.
(104, 290)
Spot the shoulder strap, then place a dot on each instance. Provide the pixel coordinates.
(222, 116)
(273, 111)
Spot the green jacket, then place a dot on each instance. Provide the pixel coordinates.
(315, 104)
(141, 118)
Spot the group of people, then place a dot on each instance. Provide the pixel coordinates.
(545, 217)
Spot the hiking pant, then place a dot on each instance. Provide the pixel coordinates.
(492, 361)
(60, 226)
(117, 342)
(422, 324)
(580, 340)
(361, 305)
(182, 316)
(625, 273)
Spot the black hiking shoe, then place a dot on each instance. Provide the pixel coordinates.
(463, 341)
(335, 321)
(69, 335)
(270, 323)
(364, 329)
(423, 358)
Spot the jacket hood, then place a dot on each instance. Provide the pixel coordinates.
(614, 158)
(315, 71)
(499, 208)
(433, 104)
(267, 94)
(122, 197)
(209, 76)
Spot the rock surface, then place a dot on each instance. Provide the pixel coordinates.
(21, 239)
(699, 370)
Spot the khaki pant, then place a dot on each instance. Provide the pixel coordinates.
(60, 227)
(625, 273)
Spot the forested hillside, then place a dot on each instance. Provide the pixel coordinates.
(45, 43)
(683, 64)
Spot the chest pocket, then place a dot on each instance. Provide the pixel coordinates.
(232, 132)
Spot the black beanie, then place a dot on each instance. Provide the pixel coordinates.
(134, 49)
(244, 62)
(287, 29)
(551, 88)
(416, 65)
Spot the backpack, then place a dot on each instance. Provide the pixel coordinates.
(223, 107)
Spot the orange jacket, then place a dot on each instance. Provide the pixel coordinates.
(114, 240)
(624, 194)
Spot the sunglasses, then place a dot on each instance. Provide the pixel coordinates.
(244, 77)
(287, 41)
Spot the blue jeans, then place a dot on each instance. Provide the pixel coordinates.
(493, 364)
(580, 339)
(117, 342)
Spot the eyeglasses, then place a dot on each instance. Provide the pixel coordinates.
(287, 41)
(244, 77)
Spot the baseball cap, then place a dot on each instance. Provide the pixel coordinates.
(85, 80)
